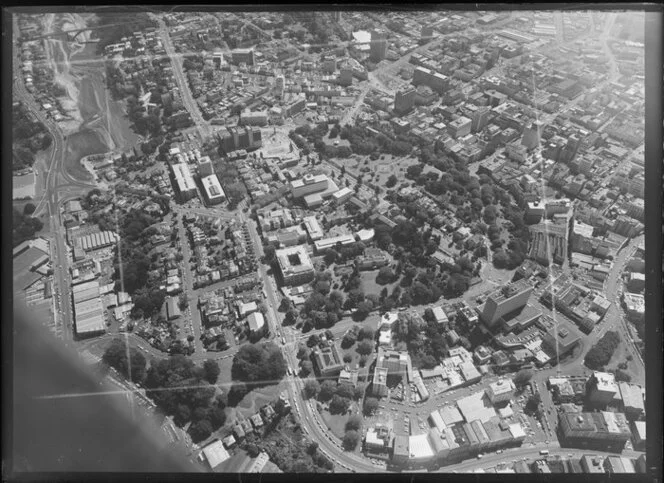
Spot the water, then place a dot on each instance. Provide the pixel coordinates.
(92, 434)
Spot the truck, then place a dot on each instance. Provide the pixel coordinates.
(544, 452)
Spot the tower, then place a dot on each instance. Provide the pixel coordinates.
(404, 100)
(378, 45)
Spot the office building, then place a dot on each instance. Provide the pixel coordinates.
(426, 35)
(313, 228)
(397, 363)
(184, 181)
(379, 382)
(244, 137)
(253, 118)
(379, 439)
(531, 136)
(295, 265)
(205, 167)
(505, 300)
(459, 127)
(599, 430)
(213, 192)
(500, 391)
(378, 49)
(404, 100)
(601, 388)
(345, 77)
(309, 184)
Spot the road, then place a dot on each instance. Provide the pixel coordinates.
(188, 100)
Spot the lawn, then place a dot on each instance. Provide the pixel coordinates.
(634, 368)
(371, 287)
(336, 422)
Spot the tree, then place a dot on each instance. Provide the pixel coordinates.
(212, 371)
(306, 367)
(370, 405)
(252, 450)
(311, 388)
(237, 392)
(264, 362)
(354, 423)
(366, 333)
(344, 390)
(312, 448)
(358, 391)
(115, 356)
(347, 358)
(365, 347)
(200, 430)
(339, 405)
(532, 404)
(327, 389)
(269, 254)
(622, 376)
(385, 276)
(313, 340)
(351, 440)
(391, 181)
(348, 340)
(522, 377)
(29, 209)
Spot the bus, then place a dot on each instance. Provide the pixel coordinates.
(544, 452)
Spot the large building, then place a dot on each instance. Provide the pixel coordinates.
(500, 391)
(397, 363)
(599, 430)
(601, 388)
(549, 242)
(404, 100)
(213, 192)
(632, 400)
(235, 138)
(378, 46)
(295, 265)
(379, 382)
(505, 300)
(243, 55)
(309, 184)
(327, 361)
(184, 181)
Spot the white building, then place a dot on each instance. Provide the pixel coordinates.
(213, 191)
(500, 391)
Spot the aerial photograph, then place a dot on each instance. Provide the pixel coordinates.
(329, 241)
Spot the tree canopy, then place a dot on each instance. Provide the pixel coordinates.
(259, 363)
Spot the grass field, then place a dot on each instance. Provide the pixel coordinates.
(370, 286)
(336, 422)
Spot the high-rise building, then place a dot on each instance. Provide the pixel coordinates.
(531, 136)
(345, 76)
(505, 300)
(480, 118)
(213, 191)
(601, 387)
(378, 45)
(426, 34)
(379, 382)
(404, 100)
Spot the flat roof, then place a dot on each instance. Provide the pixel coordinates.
(212, 187)
(476, 406)
(215, 453)
(420, 447)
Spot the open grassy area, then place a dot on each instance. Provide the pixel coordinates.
(370, 286)
(634, 368)
(336, 422)
(379, 170)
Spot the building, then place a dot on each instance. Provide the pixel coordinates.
(599, 430)
(505, 300)
(348, 376)
(639, 435)
(549, 242)
(378, 49)
(379, 439)
(601, 388)
(617, 464)
(327, 361)
(215, 453)
(592, 464)
(404, 100)
(636, 282)
(253, 118)
(460, 127)
(309, 184)
(184, 185)
(379, 382)
(500, 391)
(256, 322)
(342, 195)
(243, 56)
(632, 400)
(371, 259)
(212, 188)
(397, 363)
(560, 338)
(259, 463)
(243, 137)
(531, 136)
(295, 265)
(635, 305)
(313, 228)
(205, 167)
(172, 309)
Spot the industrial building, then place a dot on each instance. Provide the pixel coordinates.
(213, 192)
(295, 265)
(95, 241)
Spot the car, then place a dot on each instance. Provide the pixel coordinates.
(499, 451)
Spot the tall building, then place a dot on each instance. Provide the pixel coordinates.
(205, 167)
(601, 388)
(426, 34)
(606, 430)
(404, 100)
(480, 118)
(531, 136)
(245, 137)
(295, 265)
(379, 382)
(309, 184)
(345, 76)
(184, 181)
(378, 45)
(505, 300)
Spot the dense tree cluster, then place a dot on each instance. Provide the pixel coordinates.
(24, 227)
(180, 388)
(259, 364)
(323, 308)
(28, 138)
(130, 363)
(600, 354)
(123, 25)
(523, 377)
(424, 340)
